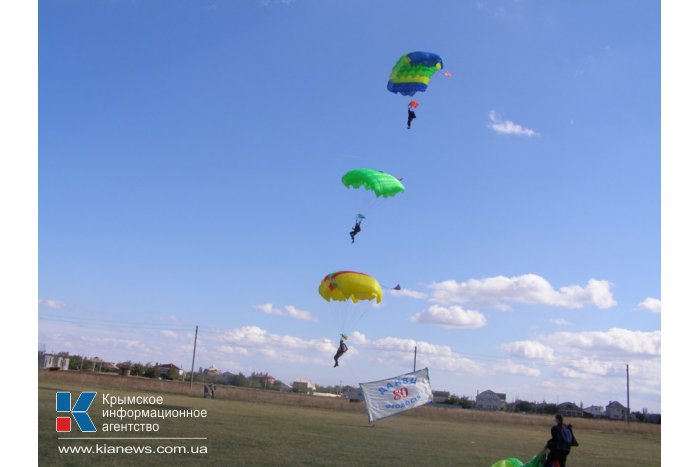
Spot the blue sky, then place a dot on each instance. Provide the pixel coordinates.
(190, 157)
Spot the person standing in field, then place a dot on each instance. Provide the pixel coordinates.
(560, 443)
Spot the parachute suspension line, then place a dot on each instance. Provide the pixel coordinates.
(348, 319)
(376, 202)
(362, 315)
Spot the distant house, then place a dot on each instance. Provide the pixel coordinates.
(489, 400)
(615, 411)
(440, 396)
(284, 387)
(353, 394)
(124, 369)
(212, 371)
(263, 378)
(93, 364)
(569, 409)
(303, 386)
(595, 411)
(52, 361)
(164, 370)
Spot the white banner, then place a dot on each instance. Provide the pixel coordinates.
(393, 395)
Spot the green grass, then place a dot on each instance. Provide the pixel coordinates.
(245, 432)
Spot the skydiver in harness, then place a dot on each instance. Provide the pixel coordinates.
(411, 116)
(356, 230)
(342, 348)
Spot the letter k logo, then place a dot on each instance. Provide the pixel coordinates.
(79, 411)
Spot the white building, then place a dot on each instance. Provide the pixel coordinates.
(489, 400)
(595, 411)
(303, 386)
(615, 411)
(165, 369)
(53, 361)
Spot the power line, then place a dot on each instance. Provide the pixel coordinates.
(112, 323)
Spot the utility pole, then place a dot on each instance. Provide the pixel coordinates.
(194, 350)
(627, 412)
(415, 353)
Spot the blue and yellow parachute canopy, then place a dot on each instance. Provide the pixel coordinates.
(412, 73)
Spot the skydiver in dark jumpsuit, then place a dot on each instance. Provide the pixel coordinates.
(356, 229)
(342, 348)
(411, 116)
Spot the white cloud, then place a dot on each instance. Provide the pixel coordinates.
(228, 349)
(299, 314)
(529, 349)
(651, 304)
(528, 288)
(450, 317)
(269, 309)
(511, 368)
(507, 127)
(107, 341)
(53, 304)
(595, 353)
(593, 363)
(582, 366)
(560, 322)
(358, 338)
(288, 310)
(433, 355)
(255, 337)
(409, 293)
(620, 342)
(168, 333)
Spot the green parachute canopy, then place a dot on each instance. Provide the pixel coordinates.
(381, 183)
(537, 461)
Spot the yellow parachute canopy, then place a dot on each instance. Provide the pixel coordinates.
(350, 285)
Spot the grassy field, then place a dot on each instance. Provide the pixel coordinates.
(246, 427)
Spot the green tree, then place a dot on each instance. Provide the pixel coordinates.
(524, 406)
(138, 369)
(151, 371)
(75, 362)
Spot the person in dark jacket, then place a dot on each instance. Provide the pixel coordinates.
(342, 348)
(560, 443)
(356, 230)
(411, 116)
